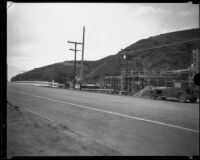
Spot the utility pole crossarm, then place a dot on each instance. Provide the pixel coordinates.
(74, 42)
(74, 49)
(79, 43)
(70, 42)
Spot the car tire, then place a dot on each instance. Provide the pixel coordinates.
(153, 95)
(181, 97)
(193, 100)
(163, 98)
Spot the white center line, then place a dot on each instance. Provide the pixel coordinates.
(114, 113)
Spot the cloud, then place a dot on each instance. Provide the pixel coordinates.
(185, 13)
(163, 31)
(19, 30)
(148, 10)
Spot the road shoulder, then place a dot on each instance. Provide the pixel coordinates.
(30, 135)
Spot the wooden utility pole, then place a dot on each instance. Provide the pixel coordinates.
(126, 70)
(75, 50)
(83, 45)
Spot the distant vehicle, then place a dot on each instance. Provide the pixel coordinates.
(182, 91)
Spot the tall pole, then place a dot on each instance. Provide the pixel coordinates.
(125, 85)
(126, 80)
(75, 65)
(83, 45)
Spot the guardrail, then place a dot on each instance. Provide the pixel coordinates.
(99, 90)
(40, 83)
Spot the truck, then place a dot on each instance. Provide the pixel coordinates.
(182, 91)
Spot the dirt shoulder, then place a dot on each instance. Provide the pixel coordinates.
(30, 135)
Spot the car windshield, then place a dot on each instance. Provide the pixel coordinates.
(189, 84)
(193, 85)
(169, 84)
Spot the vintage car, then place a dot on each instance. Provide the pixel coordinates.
(182, 91)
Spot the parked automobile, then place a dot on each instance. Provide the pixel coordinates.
(182, 91)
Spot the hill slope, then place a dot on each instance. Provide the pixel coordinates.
(166, 58)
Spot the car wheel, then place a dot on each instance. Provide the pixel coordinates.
(193, 100)
(181, 97)
(163, 98)
(153, 95)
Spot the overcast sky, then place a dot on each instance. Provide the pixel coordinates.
(37, 33)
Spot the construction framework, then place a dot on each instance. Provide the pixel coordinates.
(134, 82)
(195, 61)
(131, 82)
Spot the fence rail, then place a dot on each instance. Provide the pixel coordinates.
(40, 83)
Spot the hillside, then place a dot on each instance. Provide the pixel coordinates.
(59, 72)
(166, 58)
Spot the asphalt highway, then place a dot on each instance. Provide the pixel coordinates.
(129, 125)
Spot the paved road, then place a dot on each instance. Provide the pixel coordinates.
(129, 125)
